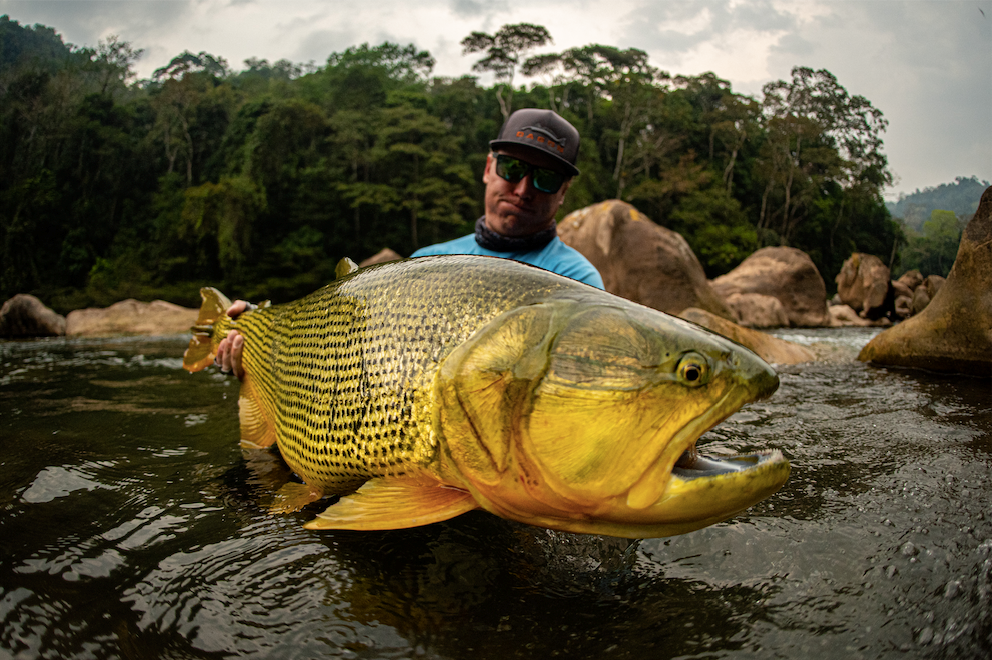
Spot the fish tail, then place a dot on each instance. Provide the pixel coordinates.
(211, 327)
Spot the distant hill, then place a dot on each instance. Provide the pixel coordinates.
(962, 197)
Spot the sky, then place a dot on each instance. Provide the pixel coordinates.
(926, 64)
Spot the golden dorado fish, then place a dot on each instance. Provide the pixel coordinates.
(422, 389)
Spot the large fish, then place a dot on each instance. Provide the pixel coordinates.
(429, 387)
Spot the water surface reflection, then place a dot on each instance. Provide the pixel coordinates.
(132, 527)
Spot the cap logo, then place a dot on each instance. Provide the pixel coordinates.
(550, 141)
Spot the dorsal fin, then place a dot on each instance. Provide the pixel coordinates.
(345, 267)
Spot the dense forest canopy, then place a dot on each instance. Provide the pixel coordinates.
(259, 180)
(960, 197)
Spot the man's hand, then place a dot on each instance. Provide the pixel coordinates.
(229, 351)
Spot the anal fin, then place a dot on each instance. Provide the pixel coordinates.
(257, 430)
(395, 504)
(293, 497)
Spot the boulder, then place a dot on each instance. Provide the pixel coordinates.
(784, 273)
(926, 291)
(901, 290)
(381, 257)
(902, 298)
(844, 315)
(756, 310)
(131, 317)
(639, 260)
(921, 298)
(933, 283)
(771, 349)
(26, 316)
(911, 278)
(863, 283)
(954, 332)
(904, 306)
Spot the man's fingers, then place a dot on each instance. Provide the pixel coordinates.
(221, 354)
(228, 356)
(237, 348)
(237, 307)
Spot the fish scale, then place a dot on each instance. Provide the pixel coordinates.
(340, 395)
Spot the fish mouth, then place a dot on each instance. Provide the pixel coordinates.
(685, 490)
(693, 465)
(681, 453)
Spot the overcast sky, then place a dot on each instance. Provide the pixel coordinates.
(926, 64)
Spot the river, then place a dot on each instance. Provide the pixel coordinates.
(132, 527)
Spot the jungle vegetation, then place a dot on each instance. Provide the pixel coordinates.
(258, 180)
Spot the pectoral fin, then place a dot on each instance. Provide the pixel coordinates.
(390, 504)
(257, 430)
(293, 497)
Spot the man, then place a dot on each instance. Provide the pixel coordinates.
(527, 174)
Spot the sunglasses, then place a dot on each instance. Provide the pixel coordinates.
(513, 170)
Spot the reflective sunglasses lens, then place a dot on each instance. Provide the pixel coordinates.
(510, 169)
(548, 181)
(513, 170)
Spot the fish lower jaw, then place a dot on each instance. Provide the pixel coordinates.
(705, 491)
(680, 449)
(694, 497)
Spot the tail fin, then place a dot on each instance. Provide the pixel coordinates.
(203, 345)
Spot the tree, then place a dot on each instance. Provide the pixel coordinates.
(816, 133)
(116, 59)
(186, 63)
(419, 145)
(934, 252)
(503, 51)
(217, 221)
(622, 76)
(961, 196)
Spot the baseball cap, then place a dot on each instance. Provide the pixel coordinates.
(542, 130)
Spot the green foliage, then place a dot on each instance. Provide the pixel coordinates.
(259, 180)
(503, 50)
(961, 197)
(933, 252)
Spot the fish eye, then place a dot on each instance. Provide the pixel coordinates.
(693, 370)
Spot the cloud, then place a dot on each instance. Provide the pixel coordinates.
(925, 63)
(470, 8)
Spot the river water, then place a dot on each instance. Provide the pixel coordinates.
(131, 526)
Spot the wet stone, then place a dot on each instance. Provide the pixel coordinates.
(909, 549)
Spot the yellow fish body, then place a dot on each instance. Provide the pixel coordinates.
(429, 387)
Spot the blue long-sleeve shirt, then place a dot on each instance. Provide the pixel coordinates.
(555, 256)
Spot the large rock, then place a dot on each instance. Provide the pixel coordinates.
(926, 292)
(381, 257)
(771, 349)
(639, 260)
(904, 306)
(863, 284)
(911, 279)
(844, 315)
(26, 316)
(784, 273)
(131, 317)
(954, 332)
(756, 310)
(902, 298)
